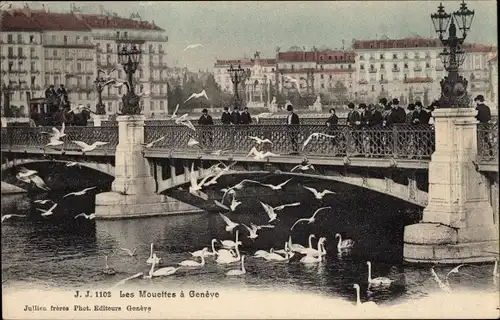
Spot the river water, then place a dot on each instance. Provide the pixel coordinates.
(62, 251)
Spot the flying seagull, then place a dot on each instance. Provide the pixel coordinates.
(193, 46)
(197, 95)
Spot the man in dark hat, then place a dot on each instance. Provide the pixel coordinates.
(398, 114)
(206, 133)
(235, 116)
(354, 122)
(245, 117)
(226, 116)
(420, 116)
(483, 111)
(353, 117)
(409, 111)
(292, 121)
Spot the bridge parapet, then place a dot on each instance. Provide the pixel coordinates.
(40, 136)
(398, 141)
(487, 142)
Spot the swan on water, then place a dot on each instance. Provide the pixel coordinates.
(358, 298)
(272, 256)
(207, 253)
(153, 257)
(311, 219)
(226, 258)
(238, 272)
(107, 270)
(160, 272)
(310, 258)
(285, 251)
(345, 244)
(229, 244)
(315, 252)
(298, 247)
(192, 263)
(260, 253)
(379, 281)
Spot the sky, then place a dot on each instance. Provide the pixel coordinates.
(231, 30)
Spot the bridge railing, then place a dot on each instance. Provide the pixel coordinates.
(398, 141)
(40, 136)
(487, 142)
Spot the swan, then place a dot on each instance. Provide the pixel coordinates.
(272, 256)
(238, 272)
(107, 270)
(153, 257)
(298, 247)
(343, 245)
(310, 258)
(192, 263)
(286, 250)
(229, 258)
(230, 243)
(379, 281)
(261, 253)
(198, 253)
(315, 252)
(160, 272)
(358, 298)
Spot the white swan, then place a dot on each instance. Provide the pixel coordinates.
(358, 299)
(229, 258)
(160, 272)
(192, 263)
(230, 243)
(272, 256)
(310, 258)
(260, 253)
(207, 253)
(379, 281)
(298, 247)
(343, 245)
(153, 257)
(315, 252)
(238, 272)
(286, 250)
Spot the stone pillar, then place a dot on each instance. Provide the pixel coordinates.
(133, 192)
(458, 224)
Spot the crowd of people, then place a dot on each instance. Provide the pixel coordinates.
(360, 135)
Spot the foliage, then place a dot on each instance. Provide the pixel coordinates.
(339, 91)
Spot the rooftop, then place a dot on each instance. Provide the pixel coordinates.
(39, 20)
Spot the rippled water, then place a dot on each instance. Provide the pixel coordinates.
(65, 252)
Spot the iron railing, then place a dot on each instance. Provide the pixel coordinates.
(487, 142)
(398, 141)
(39, 137)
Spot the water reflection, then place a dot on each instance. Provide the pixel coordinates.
(67, 252)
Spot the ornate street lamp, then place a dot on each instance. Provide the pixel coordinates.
(130, 58)
(100, 83)
(238, 75)
(453, 86)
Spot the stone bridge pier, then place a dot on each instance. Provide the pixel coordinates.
(133, 192)
(459, 223)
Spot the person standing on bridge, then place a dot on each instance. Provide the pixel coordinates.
(235, 116)
(292, 122)
(226, 116)
(354, 123)
(332, 123)
(206, 133)
(245, 117)
(483, 111)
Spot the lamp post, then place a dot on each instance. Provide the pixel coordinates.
(100, 83)
(130, 58)
(453, 86)
(237, 75)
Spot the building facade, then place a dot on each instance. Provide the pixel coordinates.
(40, 48)
(492, 92)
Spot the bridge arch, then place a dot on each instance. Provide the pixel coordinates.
(105, 168)
(409, 193)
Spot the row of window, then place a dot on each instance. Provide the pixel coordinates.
(394, 66)
(395, 56)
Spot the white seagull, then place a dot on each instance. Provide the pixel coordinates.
(193, 46)
(230, 225)
(79, 108)
(86, 216)
(192, 142)
(42, 201)
(86, 148)
(187, 123)
(234, 204)
(254, 228)
(197, 95)
(195, 186)
(30, 176)
(319, 195)
(49, 212)
(237, 186)
(260, 140)
(26, 173)
(283, 206)
(275, 187)
(8, 216)
(174, 114)
(71, 164)
(315, 135)
(55, 138)
(150, 145)
(302, 167)
(270, 211)
(454, 270)
(79, 193)
(311, 219)
(259, 155)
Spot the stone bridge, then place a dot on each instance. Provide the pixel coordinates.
(450, 168)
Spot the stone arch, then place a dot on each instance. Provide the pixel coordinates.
(101, 167)
(409, 193)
